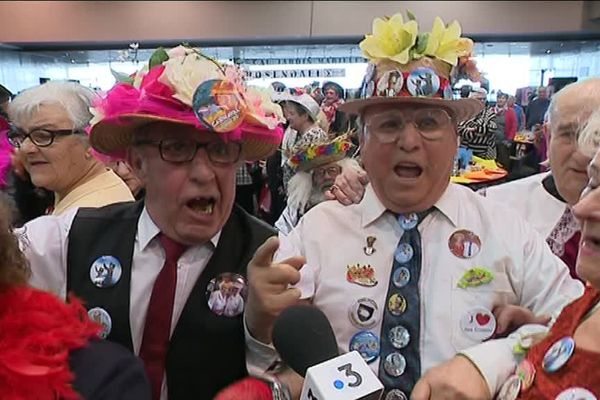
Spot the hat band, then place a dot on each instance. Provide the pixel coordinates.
(420, 82)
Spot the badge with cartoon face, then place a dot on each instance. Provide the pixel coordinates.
(218, 105)
(106, 272)
(226, 294)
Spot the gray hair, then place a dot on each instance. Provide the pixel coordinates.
(73, 97)
(588, 91)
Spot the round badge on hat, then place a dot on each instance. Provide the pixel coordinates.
(367, 345)
(396, 394)
(423, 82)
(396, 304)
(394, 364)
(218, 105)
(105, 272)
(526, 373)
(464, 244)
(390, 83)
(576, 393)
(558, 355)
(478, 323)
(226, 294)
(101, 317)
(404, 253)
(511, 388)
(408, 221)
(401, 277)
(399, 337)
(363, 313)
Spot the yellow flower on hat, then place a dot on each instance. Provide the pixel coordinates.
(392, 39)
(446, 44)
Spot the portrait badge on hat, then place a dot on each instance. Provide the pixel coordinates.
(464, 244)
(363, 313)
(390, 83)
(226, 294)
(367, 345)
(423, 82)
(478, 323)
(101, 317)
(106, 271)
(218, 105)
(368, 87)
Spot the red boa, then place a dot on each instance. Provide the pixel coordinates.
(37, 333)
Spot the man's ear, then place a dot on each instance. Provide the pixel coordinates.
(137, 163)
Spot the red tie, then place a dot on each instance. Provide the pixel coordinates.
(158, 319)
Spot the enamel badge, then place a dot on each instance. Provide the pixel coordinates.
(363, 275)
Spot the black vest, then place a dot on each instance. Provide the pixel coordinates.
(207, 351)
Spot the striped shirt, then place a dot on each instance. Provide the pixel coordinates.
(478, 134)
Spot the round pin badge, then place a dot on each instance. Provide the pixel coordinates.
(363, 313)
(226, 294)
(101, 317)
(404, 253)
(510, 389)
(396, 394)
(408, 221)
(478, 323)
(218, 105)
(464, 244)
(423, 82)
(399, 337)
(576, 393)
(558, 355)
(367, 345)
(105, 272)
(394, 364)
(397, 304)
(526, 373)
(390, 83)
(401, 277)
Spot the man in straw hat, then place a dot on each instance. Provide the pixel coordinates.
(184, 123)
(390, 272)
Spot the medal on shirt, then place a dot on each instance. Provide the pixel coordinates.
(464, 244)
(101, 317)
(106, 271)
(226, 294)
(369, 249)
(475, 277)
(363, 275)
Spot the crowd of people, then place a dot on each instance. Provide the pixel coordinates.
(135, 266)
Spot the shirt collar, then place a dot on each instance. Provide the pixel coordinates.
(372, 208)
(147, 230)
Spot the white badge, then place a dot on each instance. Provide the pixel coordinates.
(478, 323)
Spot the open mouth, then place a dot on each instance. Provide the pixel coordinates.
(202, 205)
(408, 170)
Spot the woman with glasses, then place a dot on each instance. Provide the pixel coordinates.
(48, 130)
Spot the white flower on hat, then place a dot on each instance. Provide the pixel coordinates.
(184, 74)
(261, 109)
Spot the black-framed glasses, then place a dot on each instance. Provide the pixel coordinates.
(40, 137)
(431, 123)
(180, 151)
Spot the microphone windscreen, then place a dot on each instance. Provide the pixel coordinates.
(303, 337)
(247, 389)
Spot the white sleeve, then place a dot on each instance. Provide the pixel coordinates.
(44, 242)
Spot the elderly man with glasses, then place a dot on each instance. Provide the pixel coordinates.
(146, 270)
(421, 269)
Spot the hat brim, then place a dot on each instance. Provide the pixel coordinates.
(114, 137)
(463, 109)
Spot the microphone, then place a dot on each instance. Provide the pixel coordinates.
(305, 341)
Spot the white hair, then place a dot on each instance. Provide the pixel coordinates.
(74, 98)
(586, 91)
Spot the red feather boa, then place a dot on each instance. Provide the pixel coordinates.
(37, 333)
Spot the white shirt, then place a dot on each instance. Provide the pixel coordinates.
(45, 243)
(332, 236)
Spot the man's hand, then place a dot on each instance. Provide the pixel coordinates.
(349, 187)
(510, 318)
(453, 380)
(269, 293)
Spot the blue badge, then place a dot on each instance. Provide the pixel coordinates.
(558, 355)
(408, 221)
(404, 253)
(394, 364)
(399, 337)
(102, 318)
(423, 82)
(367, 344)
(401, 277)
(106, 271)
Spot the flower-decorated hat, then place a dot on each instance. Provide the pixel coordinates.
(184, 86)
(406, 66)
(320, 153)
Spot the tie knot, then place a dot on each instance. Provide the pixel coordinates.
(173, 249)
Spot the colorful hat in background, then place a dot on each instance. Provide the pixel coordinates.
(184, 86)
(408, 67)
(320, 153)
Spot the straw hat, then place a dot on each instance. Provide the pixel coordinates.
(320, 152)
